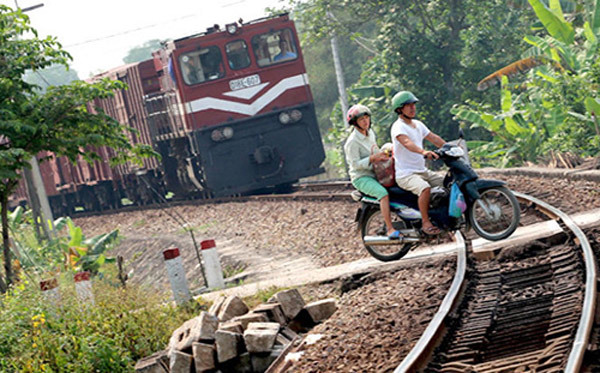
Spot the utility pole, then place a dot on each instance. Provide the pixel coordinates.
(339, 76)
(38, 199)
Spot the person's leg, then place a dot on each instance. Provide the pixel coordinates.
(371, 187)
(416, 184)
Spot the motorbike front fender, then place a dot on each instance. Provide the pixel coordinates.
(472, 189)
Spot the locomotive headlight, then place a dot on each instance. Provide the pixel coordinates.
(284, 117)
(227, 133)
(296, 115)
(232, 28)
(216, 135)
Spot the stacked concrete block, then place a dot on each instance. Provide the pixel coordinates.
(230, 338)
(232, 306)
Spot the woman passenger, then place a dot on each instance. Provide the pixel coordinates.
(361, 151)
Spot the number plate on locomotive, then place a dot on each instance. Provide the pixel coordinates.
(246, 82)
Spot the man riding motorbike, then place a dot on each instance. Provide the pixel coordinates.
(409, 155)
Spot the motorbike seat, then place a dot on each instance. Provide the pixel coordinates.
(396, 191)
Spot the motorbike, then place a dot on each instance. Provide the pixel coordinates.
(491, 209)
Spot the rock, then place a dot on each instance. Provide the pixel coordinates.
(180, 362)
(273, 312)
(260, 337)
(291, 302)
(321, 310)
(204, 356)
(228, 345)
(250, 317)
(197, 329)
(155, 363)
(232, 307)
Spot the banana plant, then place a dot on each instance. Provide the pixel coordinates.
(515, 138)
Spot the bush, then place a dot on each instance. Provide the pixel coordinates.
(111, 335)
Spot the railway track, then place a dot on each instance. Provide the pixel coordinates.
(532, 310)
(313, 191)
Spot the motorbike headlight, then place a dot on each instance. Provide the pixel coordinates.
(455, 151)
(216, 135)
(284, 117)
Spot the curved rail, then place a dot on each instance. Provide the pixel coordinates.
(424, 345)
(589, 301)
(422, 350)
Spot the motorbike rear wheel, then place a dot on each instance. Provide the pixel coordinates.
(496, 214)
(374, 225)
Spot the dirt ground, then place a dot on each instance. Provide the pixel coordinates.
(378, 320)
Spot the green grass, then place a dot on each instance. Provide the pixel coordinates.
(111, 335)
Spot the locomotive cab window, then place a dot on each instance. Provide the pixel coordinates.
(274, 47)
(237, 54)
(201, 65)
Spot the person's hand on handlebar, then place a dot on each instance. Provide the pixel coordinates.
(430, 154)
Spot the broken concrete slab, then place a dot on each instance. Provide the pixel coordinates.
(250, 317)
(232, 307)
(155, 363)
(291, 302)
(204, 356)
(273, 312)
(260, 337)
(227, 344)
(321, 310)
(180, 362)
(199, 328)
(232, 326)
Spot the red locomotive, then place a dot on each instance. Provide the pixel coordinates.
(229, 110)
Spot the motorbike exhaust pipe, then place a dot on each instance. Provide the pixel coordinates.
(384, 240)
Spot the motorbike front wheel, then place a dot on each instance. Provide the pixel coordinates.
(374, 225)
(496, 214)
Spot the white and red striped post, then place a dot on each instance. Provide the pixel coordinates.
(50, 290)
(212, 265)
(83, 287)
(179, 285)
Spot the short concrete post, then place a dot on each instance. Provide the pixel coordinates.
(179, 286)
(83, 287)
(212, 266)
(50, 290)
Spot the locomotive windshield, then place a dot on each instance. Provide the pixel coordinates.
(274, 47)
(201, 65)
(237, 54)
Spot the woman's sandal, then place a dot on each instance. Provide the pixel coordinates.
(432, 230)
(396, 235)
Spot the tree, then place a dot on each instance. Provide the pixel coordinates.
(555, 104)
(437, 49)
(55, 121)
(142, 52)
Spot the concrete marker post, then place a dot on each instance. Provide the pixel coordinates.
(212, 265)
(49, 288)
(179, 285)
(83, 287)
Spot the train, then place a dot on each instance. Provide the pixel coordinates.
(229, 110)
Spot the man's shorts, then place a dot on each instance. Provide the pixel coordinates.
(419, 181)
(370, 186)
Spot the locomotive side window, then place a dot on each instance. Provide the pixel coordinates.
(201, 65)
(237, 54)
(274, 47)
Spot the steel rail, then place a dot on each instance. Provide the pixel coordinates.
(424, 345)
(589, 301)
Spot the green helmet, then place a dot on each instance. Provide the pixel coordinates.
(402, 98)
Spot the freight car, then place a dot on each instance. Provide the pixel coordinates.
(229, 110)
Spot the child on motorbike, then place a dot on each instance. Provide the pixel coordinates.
(361, 151)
